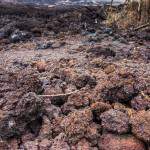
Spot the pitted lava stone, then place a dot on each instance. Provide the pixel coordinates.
(120, 142)
(141, 125)
(76, 123)
(115, 121)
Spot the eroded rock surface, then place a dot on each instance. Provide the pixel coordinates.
(69, 82)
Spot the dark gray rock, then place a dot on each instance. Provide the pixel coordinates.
(44, 45)
(27, 115)
(18, 36)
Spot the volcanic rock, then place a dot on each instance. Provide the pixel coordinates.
(76, 123)
(115, 121)
(122, 142)
(140, 123)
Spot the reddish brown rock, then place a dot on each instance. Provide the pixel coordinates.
(84, 80)
(109, 69)
(140, 104)
(115, 121)
(122, 142)
(41, 66)
(76, 123)
(13, 144)
(98, 108)
(83, 145)
(59, 143)
(141, 125)
(142, 101)
(3, 145)
(28, 81)
(120, 88)
(55, 126)
(52, 111)
(27, 137)
(79, 99)
(45, 144)
(67, 108)
(45, 131)
(93, 133)
(31, 145)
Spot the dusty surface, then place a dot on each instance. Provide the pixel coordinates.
(68, 82)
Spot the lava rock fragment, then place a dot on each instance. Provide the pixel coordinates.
(115, 121)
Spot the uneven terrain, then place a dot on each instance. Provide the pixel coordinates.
(69, 82)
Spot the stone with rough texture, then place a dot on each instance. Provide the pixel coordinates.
(27, 114)
(115, 121)
(76, 123)
(116, 142)
(31, 145)
(141, 125)
(59, 143)
(98, 108)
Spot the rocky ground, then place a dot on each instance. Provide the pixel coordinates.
(68, 82)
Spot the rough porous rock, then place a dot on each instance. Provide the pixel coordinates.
(142, 101)
(59, 143)
(55, 126)
(67, 108)
(93, 133)
(122, 142)
(27, 115)
(3, 145)
(79, 100)
(140, 122)
(28, 81)
(100, 51)
(15, 84)
(115, 121)
(30, 145)
(98, 108)
(120, 88)
(52, 111)
(84, 80)
(13, 143)
(83, 145)
(41, 66)
(76, 123)
(45, 144)
(45, 130)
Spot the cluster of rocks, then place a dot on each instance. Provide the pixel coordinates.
(64, 106)
(68, 122)
(25, 22)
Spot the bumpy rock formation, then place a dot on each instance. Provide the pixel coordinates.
(115, 121)
(121, 88)
(27, 115)
(141, 125)
(76, 123)
(68, 82)
(98, 108)
(124, 142)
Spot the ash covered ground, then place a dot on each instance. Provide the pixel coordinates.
(68, 82)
